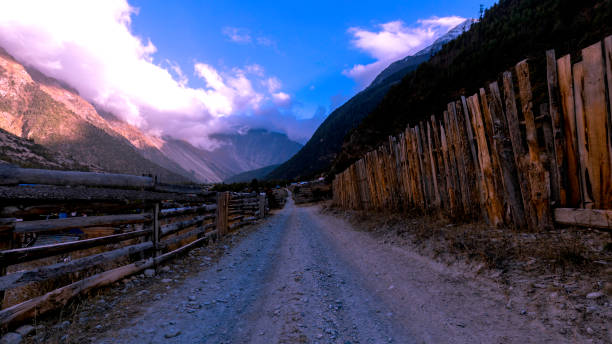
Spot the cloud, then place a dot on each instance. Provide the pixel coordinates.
(392, 41)
(243, 35)
(90, 46)
(238, 35)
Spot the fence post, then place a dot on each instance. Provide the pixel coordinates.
(262, 205)
(222, 213)
(156, 230)
(7, 226)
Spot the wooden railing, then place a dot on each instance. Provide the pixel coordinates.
(121, 225)
(498, 156)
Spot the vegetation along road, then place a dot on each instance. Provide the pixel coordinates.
(306, 277)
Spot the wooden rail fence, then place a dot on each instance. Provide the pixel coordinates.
(496, 155)
(121, 225)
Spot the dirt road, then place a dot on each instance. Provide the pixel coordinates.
(304, 277)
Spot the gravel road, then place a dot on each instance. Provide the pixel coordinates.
(304, 277)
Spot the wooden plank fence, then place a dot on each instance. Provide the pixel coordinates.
(124, 224)
(498, 156)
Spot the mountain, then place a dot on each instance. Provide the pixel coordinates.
(322, 149)
(408, 63)
(53, 115)
(255, 149)
(248, 176)
(509, 31)
(43, 110)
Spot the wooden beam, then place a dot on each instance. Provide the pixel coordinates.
(79, 222)
(165, 213)
(22, 255)
(558, 164)
(595, 218)
(539, 183)
(20, 278)
(597, 126)
(581, 138)
(14, 176)
(178, 226)
(44, 194)
(490, 197)
(566, 90)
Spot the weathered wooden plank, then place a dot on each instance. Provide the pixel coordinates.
(45, 194)
(21, 278)
(490, 197)
(460, 154)
(79, 222)
(448, 169)
(23, 255)
(568, 115)
(518, 149)
(597, 126)
(13, 176)
(178, 226)
(165, 213)
(581, 138)
(595, 218)
(539, 183)
(550, 163)
(558, 175)
(494, 154)
(608, 63)
(441, 172)
(502, 141)
(433, 169)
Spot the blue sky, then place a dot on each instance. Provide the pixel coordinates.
(192, 68)
(309, 45)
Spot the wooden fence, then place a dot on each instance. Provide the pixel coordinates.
(120, 225)
(496, 155)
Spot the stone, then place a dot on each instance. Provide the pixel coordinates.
(594, 295)
(167, 280)
(165, 269)
(11, 338)
(172, 333)
(192, 298)
(590, 330)
(62, 325)
(149, 273)
(25, 330)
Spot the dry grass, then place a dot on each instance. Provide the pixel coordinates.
(564, 250)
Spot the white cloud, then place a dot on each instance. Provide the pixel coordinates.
(238, 35)
(393, 41)
(90, 45)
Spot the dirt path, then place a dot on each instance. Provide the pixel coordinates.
(304, 277)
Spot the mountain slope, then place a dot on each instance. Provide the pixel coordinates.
(25, 153)
(248, 176)
(29, 109)
(506, 34)
(321, 150)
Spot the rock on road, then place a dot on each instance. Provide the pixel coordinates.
(304, 277)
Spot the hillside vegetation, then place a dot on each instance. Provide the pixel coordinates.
(510, 31)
